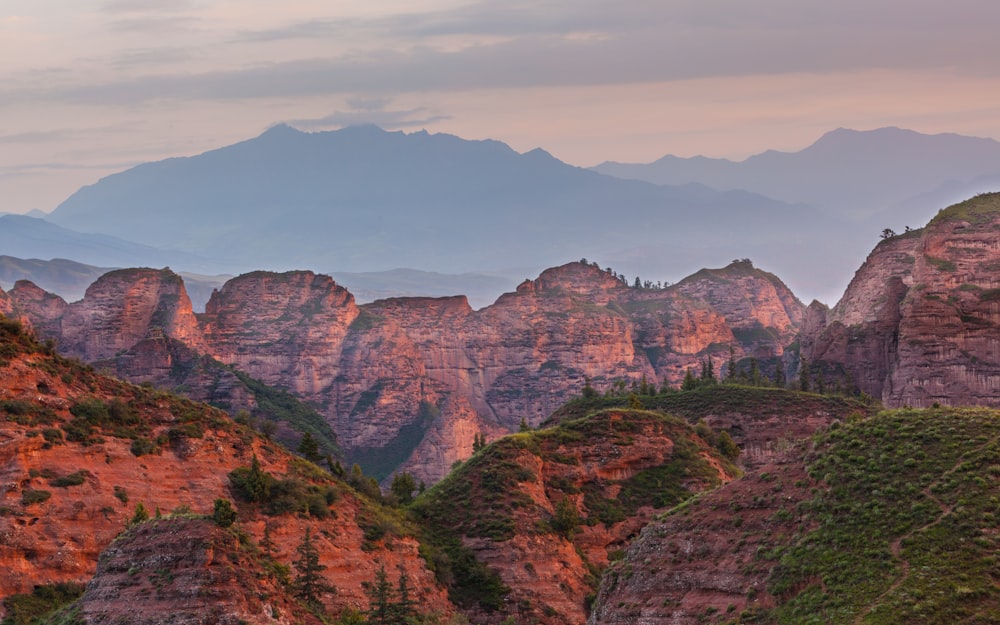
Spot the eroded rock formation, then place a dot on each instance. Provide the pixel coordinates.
(81, 452)
(920, 322)
(410, 382)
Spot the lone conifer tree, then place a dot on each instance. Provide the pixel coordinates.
(309, 584)
(309, 448)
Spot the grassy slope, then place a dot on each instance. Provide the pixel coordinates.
(720, 398)
(907, 524)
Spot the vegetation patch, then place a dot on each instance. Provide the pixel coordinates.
(906, 524)
(27, 609)
(380, 462)
(73, 479)
(276, 405)
(977, 210)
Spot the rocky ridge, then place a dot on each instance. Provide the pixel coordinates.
(919, 323)
(844, 529)
(410, 382)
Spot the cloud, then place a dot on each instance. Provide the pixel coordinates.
(146, 6)
(372, 112)
(486, 45)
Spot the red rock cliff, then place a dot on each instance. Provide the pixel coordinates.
(412, 381)
(920, 322)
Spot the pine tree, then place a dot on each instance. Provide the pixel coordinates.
(266, 544)
(690, 382)
(404, 610)
(380, 607)
(309, 584)
(565, 518)
(309, 448)
(524, 427)
(254, 484)
(779, 375)
(803, 376)
(223, 513)
(403, 485)
(141, 514)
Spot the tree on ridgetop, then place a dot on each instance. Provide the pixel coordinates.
(690, 382)
(888, 233)
(707, 371)
(403, 485)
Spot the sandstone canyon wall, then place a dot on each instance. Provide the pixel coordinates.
(920, 322)
(410, 382)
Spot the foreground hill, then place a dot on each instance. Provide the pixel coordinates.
(412, 381)
(919, 322)
(884, 520)
(547, 509)
(83, 455)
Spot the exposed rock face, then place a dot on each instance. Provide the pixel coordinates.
(411, 382)
(44, 309)
(705, 566)
(920, 322)
(184, 571)
(758, 307)
(122, 308)
(613, 471)
(69, 484)
(6, 305)
(285, 329)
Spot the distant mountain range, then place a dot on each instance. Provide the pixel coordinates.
(889, 173)
(363, 201)
(31, 237)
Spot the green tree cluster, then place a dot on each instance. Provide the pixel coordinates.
(389, 606)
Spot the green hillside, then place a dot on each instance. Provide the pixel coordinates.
(907, 524)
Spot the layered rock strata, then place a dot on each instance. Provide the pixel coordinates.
(411, 382)
(920, 322)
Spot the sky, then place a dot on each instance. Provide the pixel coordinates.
(91, 87)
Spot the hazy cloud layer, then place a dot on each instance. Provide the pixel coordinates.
(577, 77)
(525, 44)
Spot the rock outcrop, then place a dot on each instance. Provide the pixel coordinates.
(185, 571)
(920, 322)
(122, 308)
(410, 382)
(80, 452)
